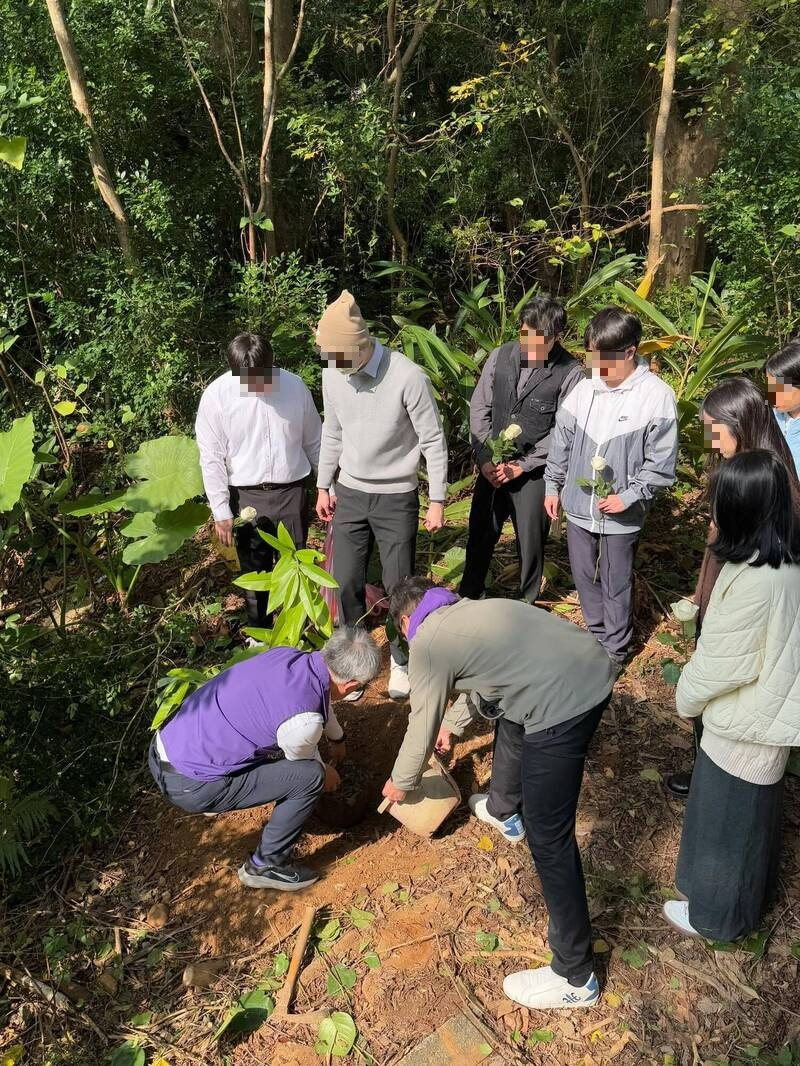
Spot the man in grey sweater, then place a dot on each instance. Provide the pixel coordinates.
(380, 419)
(546, 683)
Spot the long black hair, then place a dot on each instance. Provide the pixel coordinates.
(741, 406)
(753, 510)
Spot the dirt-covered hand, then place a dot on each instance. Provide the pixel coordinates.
(326, 505)
(337, 752)
(332, 779)
(444, 742)
(390, 792)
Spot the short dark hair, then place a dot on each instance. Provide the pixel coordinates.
(613, 330)
(249, 351)
(406, 596)
(753, 511)
(785, 364)
(545, 315)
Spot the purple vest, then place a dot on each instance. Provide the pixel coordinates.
(232, 721)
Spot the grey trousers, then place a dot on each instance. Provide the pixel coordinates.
(521, 500)
(292, 785)
(278, 503)
(361, 519)
(607, 604)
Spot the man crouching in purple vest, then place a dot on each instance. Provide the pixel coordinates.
(249, 736)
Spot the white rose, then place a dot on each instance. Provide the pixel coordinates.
(598, 464)
(511, 432)
(248, 514)
(684, 611)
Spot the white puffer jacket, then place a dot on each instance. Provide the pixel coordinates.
(744, 677)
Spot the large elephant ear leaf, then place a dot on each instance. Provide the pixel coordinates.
(168, 473)
(162, 534)
(16, 460)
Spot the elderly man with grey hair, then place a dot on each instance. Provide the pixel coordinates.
(249, 736)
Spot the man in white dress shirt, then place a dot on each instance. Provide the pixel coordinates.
(259, 436)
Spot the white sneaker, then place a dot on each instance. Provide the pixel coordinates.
(354, 696)
(399, 686)
(512, 828)
(676, 912)
(541, 989)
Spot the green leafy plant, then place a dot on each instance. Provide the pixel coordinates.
(700, 352)
(20, 821)
(165, 475)
(303, 619)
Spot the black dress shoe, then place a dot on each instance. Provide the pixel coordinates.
(678, 784)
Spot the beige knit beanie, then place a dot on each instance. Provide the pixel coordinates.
(341, 328)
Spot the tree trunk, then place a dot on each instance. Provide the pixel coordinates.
(266, 206)
(80, 98)
(660, 137)
(690, 155)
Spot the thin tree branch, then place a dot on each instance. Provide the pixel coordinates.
(642, 220)
(293, 50)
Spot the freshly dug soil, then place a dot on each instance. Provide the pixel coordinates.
(358, 793)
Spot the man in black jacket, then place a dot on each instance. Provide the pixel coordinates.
(523, 383)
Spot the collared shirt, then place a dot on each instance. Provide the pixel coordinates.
(790, 428)
(374, 361)
(249, 438)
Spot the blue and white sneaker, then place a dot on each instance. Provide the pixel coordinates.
(541, 989)
(511, 828)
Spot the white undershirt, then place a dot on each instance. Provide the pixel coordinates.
(299, 735)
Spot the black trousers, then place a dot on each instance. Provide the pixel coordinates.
(521, 500)
(361, 519)
(278, 503)
(543, 772)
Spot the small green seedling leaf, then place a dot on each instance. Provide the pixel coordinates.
(542, 1036)
(650, 774)
(487, 941)
(336, 1035)
(128, 1054)
(361, 919)
(636, 957)
(341, 979)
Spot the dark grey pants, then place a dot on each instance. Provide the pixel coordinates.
(730, 851)
(361, 519)
(292, 785)
(607, 604)
(521, 500)
(278, 503)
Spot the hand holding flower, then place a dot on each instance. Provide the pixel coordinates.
(611, 504)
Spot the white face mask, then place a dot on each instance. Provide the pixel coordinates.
(346, 363)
